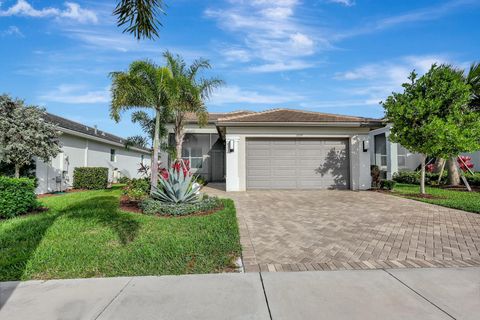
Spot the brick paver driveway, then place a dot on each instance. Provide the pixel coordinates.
(328, 230)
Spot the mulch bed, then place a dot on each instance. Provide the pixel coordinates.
(134, 206)
(129, 205)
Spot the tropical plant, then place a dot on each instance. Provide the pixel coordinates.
(187, 94)
(472, 78)
(432, 115)
(140, 17)
(142, 86)
(136, 141)
(177, 186)
(24, 134)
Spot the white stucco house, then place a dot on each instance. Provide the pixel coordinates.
(392, 157)
(281, 149)
(84, 146)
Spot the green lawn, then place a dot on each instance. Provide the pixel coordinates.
(468, 201)
(85, 235)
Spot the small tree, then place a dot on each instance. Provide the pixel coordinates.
(432, 116)
(24, 134)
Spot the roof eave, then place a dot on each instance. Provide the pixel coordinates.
(353, 124)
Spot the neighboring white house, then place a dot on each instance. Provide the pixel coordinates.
(281, 149)
(392, 157)
(84, 146)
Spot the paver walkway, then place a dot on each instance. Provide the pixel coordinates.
(354, 294)
(332, 230)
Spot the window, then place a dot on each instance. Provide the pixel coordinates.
(113, 156)
(194, 155)
(402, 156)
(381, 150)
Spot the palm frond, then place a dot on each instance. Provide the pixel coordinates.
(141, 17)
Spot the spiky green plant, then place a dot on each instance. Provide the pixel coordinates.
(177, 187)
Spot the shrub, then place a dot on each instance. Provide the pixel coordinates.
(474, 179)
(137, 189)
(375, 174)
(90, 178)
(155, 207)
(17, 196)
(123, 180)
(413, 177)
(387, 184)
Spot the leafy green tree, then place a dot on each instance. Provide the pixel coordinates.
(142, 86)
(187, 94)
(24, 134)
(432, 115)
(140, 17)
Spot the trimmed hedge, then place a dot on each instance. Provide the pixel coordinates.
(413, 177)
(90, 178)
(17, 196)
(154, 207)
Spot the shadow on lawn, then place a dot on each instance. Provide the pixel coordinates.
(19, 241)
(104, 210)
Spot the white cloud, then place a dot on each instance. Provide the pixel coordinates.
(73, 11)
(269, 33)
(235, 94)
(347, 3)
(280, 66)
(76, 94)
(376, 81)
(11, 31)
(236, 54)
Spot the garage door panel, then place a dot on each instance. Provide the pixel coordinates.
(297, 164)
(283, 162)
(291, 152)
(258, 153)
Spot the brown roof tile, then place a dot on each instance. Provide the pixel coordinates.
(292, 116)
(214, 116)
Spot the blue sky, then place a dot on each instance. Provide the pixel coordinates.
(337, 56)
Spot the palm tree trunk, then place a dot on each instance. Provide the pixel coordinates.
(422, 178)
(156, 146)
(453, 175)
(179, 135)
(17, 170)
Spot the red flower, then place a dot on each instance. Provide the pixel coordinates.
(465, 163)
(431, 167)
(164, 173)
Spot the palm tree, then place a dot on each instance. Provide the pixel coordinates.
(187, 94)
(473, 79)
(142, 86)
(140, 16)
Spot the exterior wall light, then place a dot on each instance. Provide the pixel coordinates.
(366, 145)
(231, 146)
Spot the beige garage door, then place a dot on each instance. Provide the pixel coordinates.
(297, 164)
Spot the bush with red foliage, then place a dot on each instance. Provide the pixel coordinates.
(465, 163)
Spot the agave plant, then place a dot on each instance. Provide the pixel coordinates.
(178, 186)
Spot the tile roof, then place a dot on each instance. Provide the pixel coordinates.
(293, 116)
(81, 128)
(214, 116)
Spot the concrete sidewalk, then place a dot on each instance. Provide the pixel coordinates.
(370, 294)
